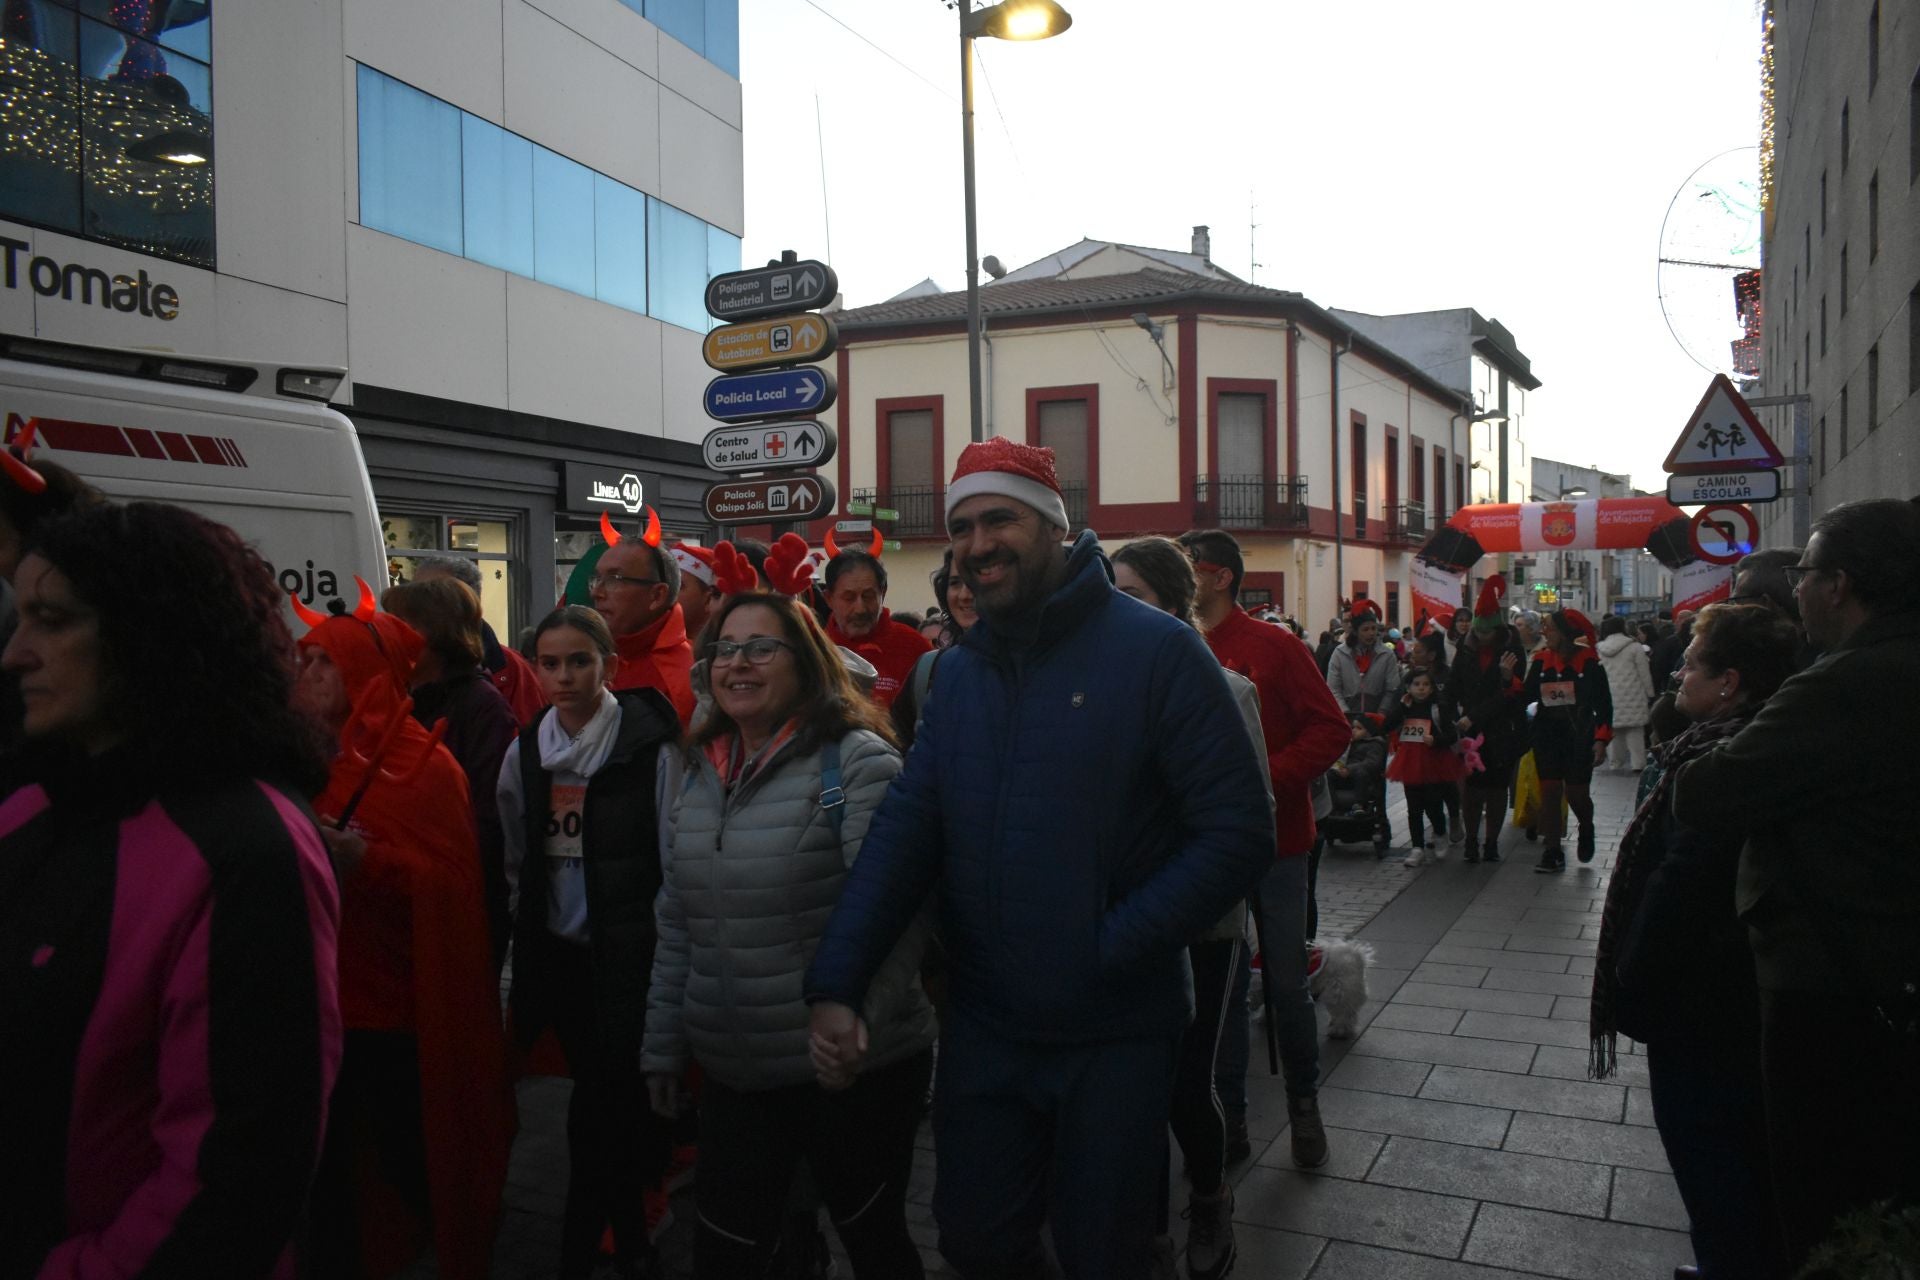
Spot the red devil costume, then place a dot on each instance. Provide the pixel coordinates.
(892, 647)
(656, 656)
(417, 996)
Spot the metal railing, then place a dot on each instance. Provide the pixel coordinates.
(1250, 502)
(1407, 522)
(921, 508)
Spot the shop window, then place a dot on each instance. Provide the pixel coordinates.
(487, 543)
(108, 124)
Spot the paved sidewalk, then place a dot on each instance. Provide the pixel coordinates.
(1467, 1141)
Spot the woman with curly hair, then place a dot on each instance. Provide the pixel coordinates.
(167, 914)
(782, 778)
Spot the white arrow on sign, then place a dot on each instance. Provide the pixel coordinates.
(804, 495)
(808, 334)
(808, 282)
(808, 392)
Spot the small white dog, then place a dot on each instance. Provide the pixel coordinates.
(1337, 977)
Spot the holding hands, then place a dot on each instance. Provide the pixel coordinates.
(837, 1045)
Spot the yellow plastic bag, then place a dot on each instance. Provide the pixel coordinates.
(1526, 795)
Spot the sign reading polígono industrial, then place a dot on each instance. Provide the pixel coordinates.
(770, 446)
(787, 498)
(761, 344)
(771, 290)
(775, 393)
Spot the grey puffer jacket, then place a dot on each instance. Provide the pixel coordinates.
(749, 883)
(1363, 693)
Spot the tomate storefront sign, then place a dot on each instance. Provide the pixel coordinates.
(48, 277)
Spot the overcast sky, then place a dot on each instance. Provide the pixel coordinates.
(1508, 155)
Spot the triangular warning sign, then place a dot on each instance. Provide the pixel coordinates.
(1722, 435)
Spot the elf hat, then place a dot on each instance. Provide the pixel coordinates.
(1572, 622)
(1486, 610)
(1365, 611)
(695, 561)
(1022, 472)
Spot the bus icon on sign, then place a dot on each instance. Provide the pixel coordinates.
(630, 497)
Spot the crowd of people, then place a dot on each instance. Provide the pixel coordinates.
(767, 870)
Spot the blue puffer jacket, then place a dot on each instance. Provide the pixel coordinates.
(1086, 800)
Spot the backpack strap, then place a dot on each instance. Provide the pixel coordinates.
(833, 798)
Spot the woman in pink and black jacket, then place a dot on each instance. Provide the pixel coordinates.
(167, 912)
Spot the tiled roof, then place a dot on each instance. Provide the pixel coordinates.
(1038, 297)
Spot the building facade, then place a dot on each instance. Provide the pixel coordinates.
(1840, 294)
(1174, 397)
(498, 215)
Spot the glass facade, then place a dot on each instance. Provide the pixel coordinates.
(435, 175)
(711, 28)
(107, 108)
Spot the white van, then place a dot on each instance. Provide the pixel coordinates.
(253, 446)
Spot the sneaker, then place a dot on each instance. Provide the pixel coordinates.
(1458, 835)
(1238, 1146)
(1473, 852)
(1583, 846)
(1210, 1246)
(1309, 1135)
(1437, 852)
(1553, 859)
(1418, 857)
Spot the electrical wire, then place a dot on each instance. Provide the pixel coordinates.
(883, 53)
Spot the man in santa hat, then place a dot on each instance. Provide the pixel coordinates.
(1084, 795)
(697, 595)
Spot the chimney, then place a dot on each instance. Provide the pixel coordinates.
(1202, 244)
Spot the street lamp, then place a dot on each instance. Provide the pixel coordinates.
(1008, 20)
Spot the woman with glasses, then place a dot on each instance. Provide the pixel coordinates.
(782, 778)
(580, 817)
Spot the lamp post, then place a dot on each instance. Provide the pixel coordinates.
(1008, 20)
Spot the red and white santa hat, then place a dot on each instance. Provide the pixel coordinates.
(1023, 472)
(695, 561)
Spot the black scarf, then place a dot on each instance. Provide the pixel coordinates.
(1637, 860)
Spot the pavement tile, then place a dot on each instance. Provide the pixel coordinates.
(1397, 955)
(1580, 965)
(1357, 1211)
(1525, 1093)
(1571, 1064)
(1514, 1026)
(1454, 1050)
(1639, 1106)
(1540, 929)
(1559, 946)
(1492, 959)
(1484, 914)
(1408, 1015)
(1282, 1255)
(1452, 975)
(1575, 1248)
(1451, 997)
(1650, 1199)
(1596, 1140)
(1350, 1154)
(1474, 938)
(1344, 1261)
(1557, 915)
(1379, 1075)
(1416, 1117)
(1507, 1177)
(1574, 1008)
(1558, 984)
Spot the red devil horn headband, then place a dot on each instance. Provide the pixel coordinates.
(312, 617)
(874, 547)
(651, 537)
(368, 606)
(15, 465)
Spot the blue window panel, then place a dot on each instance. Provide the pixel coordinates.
(684, 20)
(619, 244)
(562, 222)
(723, 252)
(723, 35)
(497, 168)
(409, 163)
(677, 246)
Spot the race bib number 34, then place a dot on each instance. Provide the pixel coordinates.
(564, 821)
(1557, 693)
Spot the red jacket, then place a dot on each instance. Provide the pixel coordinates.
(892, 647)
(519, 685)
(1304, 727)
(659, 657)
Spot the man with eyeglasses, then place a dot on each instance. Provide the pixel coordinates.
(636, 588)
(1822, 784)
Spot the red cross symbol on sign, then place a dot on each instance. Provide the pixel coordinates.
(776, 443)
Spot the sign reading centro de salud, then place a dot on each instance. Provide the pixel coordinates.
(769, 447)
(772, 290)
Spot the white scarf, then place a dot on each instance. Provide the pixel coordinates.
(583, 753)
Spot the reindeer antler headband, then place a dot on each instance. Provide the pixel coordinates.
(789, 569)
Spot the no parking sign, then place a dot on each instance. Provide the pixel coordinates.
(1723, 533)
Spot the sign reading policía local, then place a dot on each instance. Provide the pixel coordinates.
(775, 393)
(771, 290)
(769, 446)
(762, 344)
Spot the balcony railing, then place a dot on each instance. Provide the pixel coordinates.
(1075, 496)
(1250, 502)
(1407, 522)
(920, 507)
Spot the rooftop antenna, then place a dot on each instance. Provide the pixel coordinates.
(1253, 264)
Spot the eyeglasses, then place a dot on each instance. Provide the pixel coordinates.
(759, 650)
(1798, 573)
(608, 581)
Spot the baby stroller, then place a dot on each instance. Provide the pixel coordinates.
(1358, 783)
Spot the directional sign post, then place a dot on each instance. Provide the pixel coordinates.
(1723, 533)
(776, 393)
(799, 497)
(771, 290)
(763, 344)
(769, 446)
(1723, 486)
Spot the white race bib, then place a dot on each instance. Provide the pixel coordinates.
(1420, 731)
(1557, 693)
(564, 822)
